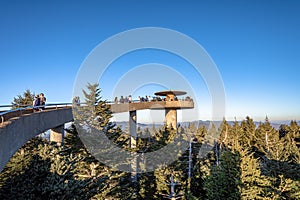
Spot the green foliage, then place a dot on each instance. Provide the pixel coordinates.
(267, 140)
(46, 173)
(245, 162)
(23, 100)
(96, 113)
(247, 135)
(252, 181)
(223, 181)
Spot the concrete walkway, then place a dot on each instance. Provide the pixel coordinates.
(15, 132)
(18, 127)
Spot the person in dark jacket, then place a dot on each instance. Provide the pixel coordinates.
(36, 103)
(42, 101)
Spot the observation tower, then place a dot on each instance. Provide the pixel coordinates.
(172, 103)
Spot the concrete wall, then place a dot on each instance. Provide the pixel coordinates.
(17, 113)
(17, 131)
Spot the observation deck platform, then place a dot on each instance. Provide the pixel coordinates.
(154, 105)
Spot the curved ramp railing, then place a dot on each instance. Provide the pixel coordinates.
(5, 115)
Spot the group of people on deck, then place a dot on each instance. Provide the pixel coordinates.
(127, 99)
(39, 102)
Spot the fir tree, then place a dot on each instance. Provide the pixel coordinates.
(267, 140)
(96, 113)
(223, 181)
(23, 100)
(247, 137)
(254, 185)
(224, 132)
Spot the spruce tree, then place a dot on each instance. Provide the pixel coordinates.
(97, 112)
(247, 137)
(253, 184)
(267, 140)
(224, 133)
(23, 100)
(223, 181)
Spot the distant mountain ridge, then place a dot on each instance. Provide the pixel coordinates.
(275, 124)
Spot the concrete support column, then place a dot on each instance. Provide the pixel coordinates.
(57, 135)
(132, 128)
(171, 118)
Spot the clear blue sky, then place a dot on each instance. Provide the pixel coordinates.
(255, 45)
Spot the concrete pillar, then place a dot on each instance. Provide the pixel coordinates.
(57, 135)
(171, 118)
(170, 97)
(132, 128)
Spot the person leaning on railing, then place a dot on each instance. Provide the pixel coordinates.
(42, 101)
(36, 103)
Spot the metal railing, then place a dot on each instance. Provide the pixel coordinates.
(25, 109)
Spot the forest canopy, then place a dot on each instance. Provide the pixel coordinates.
(246, 161)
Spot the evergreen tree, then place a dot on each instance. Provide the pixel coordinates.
(267, 140)
(41, 170)
(247, 137)
(23, 100)
(254, 185)
(224, 132)
(234, 136)
(96, 113)
(223, 181)
(291, 141)
(199, 167)
(246, 162)
(212, 134)
(200, 134)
